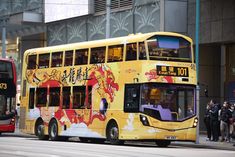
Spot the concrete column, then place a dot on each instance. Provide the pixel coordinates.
(162, 15)
(3, 21)
(108, 5)
(222, 72)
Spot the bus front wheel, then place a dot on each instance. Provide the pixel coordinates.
(113, 134)
(163, 143)
(53, 130)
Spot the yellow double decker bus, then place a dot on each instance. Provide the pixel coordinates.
(137, 87)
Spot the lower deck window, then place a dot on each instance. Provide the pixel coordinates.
(41, 97)
(81, 97)
(166, 102)
(54, 97)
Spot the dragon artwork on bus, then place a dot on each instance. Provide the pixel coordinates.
(137, 87)
(7, 95)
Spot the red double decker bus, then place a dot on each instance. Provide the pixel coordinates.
(7, 95)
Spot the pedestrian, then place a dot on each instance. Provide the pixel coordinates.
(207, 121)
(224, 115)
(17, 114)
(214, 122)
(232, 122)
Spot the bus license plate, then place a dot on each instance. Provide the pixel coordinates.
(170, 137)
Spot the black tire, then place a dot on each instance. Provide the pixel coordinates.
(112, 134)
(39, 131)
(163, 143)
(0, 133)
(53, 130)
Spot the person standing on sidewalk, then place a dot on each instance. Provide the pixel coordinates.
(232, 122)
(207, 121)
(224, 115)
(214, 120)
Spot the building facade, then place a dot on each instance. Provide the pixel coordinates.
(27, 22)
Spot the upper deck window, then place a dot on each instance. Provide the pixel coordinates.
(97, 55)
(115, 53)
(32, 60)
(68, 58)
(81, 57)
(131, 52)
(6, 70)
(44, 60)
(142, 51)
(57, 59)
(169, 48)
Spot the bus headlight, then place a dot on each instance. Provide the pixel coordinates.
(195, 122)
(144, 120)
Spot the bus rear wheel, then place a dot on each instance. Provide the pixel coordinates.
(53, 130)
(39, 130)
(163, 143)
(113, 134)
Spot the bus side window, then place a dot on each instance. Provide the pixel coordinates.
(79, 97)
(88, 96)
(57, 59)
(44, 60)
(32, 62)
(131, 103)
(97, 55)
(81, 57)
(115, 53)
(131, 52)
(54, 97)
(142, 51)
(41, 97)
(66, 97)
(31, 98)
(68, 58)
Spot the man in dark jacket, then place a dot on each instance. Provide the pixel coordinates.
(224, 114)
(207, 121)
(214, 121)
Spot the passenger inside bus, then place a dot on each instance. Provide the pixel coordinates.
(79, 59)
(173, 53)
(97, 55)
(142, 51)
(131, 52)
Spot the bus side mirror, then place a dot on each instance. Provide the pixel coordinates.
(206, 92)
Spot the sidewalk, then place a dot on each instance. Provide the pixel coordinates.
(203, 143)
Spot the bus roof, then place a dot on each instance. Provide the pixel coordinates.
(102, 42)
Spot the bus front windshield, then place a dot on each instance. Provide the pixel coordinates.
(167, 102)
(169, 48)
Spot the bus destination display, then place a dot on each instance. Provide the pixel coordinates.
(172, 71)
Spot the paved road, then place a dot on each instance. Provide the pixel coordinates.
(32, 147)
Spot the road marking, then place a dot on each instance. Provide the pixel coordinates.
(27, 154)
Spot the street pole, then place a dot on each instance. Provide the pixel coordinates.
(108, 4)
(3, 38)
(197, 28)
